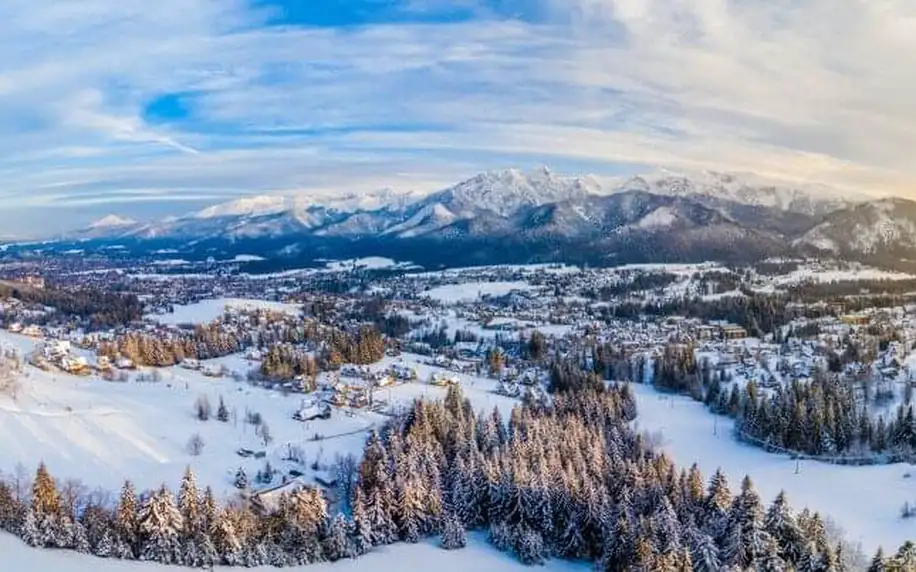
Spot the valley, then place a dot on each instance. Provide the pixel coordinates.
(262, 385)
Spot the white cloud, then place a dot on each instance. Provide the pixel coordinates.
(818, 90)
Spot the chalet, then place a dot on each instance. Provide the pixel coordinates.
(444, 379)
(732, 332)
(311, 410)
(32, 331)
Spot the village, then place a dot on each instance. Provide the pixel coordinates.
(496, 330)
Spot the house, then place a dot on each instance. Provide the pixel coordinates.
(15, 327)
(77, 365)
(732, 332)
(190, 363)
(32, 331)
(443, 379)
(311, 410)
(124, 363)
(212, 370)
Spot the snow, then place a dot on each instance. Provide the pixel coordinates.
(248, 206)
(470, 291)
(367, 263)
(478, 555)
(247, 258)
(836, 275)
(104, 432)
(659, 218)
(171, 262)
(864, 501)
(209, 310)
(112, 221)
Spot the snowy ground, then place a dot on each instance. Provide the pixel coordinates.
(470, 291)
(103, 432)
(421, 557)
(864, 501)
(208, 310)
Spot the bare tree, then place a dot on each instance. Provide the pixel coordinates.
(195, 445)
(264, 432)
(203, 408)
(10, 368)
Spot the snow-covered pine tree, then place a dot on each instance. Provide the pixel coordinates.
(704, 552)
(337, 544)
(362, 527)
(125, 525)
(222, 413)
(225, 539)
(905, 559)
(160, 525)
(530, 547)
(781, 524)
(45, 498)
(189, 504)
(241, 479)
(879, 562)
(28, 531)
(453, 535)
(80, 541)
(104, 548)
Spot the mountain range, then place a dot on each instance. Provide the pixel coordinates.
(540, 215)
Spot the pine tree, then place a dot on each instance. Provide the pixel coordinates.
(241, 479)
(782, 525)
(878, 563)
(45, 498)
(126, 527)
(225, 539)
(337, 545)
(222, 413)
(453, 534)
(80, 541)
(160, 524)
(189, 505)
(905, 559)
(29, 529)
(104, 548)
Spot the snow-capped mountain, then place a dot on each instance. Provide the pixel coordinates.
(714, 213)
(107, 226)
(712, 187)
(875, 228)
(113, 221)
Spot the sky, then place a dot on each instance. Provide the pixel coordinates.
(146, 109)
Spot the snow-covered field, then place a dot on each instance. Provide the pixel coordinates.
(835, 275)
(368, 263)
(208, 310)
(104, 432)
(470, 291)
(864, 501)
(422, 557)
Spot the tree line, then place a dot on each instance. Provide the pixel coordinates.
(570, 479)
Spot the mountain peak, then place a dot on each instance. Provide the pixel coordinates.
(112, 221)
(505, 192)
(746, 189)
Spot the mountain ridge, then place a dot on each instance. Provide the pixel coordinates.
(669, 213)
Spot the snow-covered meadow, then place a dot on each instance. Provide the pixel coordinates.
(478, 555)
(209, 310)
(864, 501)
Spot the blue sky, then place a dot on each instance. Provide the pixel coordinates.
(146, 109)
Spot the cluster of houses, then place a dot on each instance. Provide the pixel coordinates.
(60, 354)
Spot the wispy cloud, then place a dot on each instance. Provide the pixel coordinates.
(418, 92)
